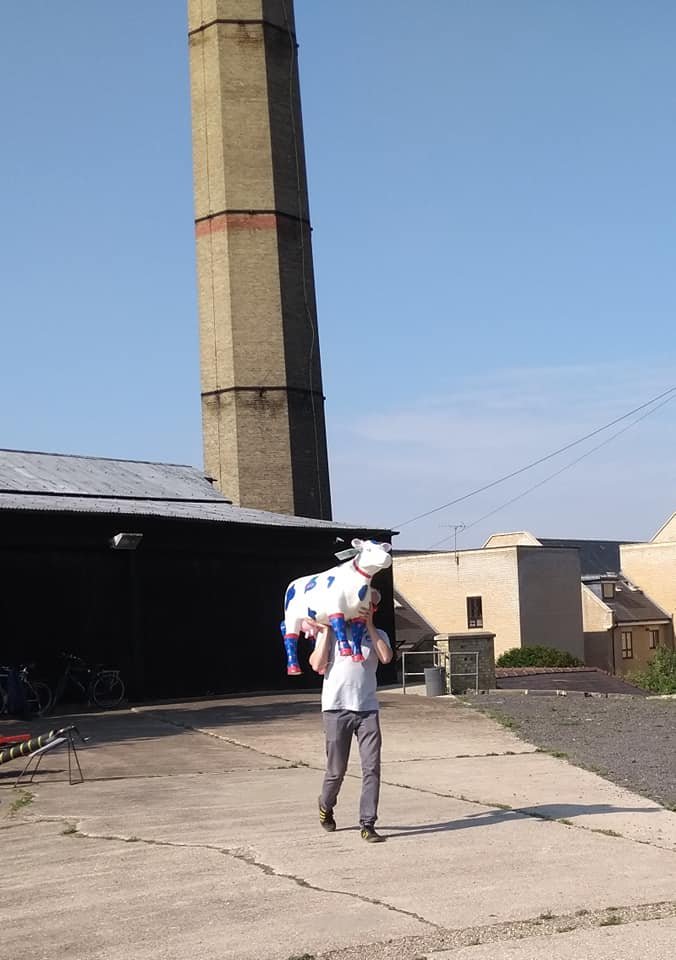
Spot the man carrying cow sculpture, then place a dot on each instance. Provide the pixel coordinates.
(347, 655)
(350, 708)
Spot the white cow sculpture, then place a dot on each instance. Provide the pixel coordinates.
(332, 597)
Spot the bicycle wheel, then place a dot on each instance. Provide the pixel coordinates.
(38, 696)
(107, 690)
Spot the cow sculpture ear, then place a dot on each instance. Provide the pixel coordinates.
(387, 547)
(357, 544)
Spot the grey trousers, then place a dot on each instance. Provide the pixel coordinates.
(340, 726)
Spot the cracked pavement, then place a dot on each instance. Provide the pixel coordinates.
(195, 836)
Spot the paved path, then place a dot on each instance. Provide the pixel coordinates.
(195, 836)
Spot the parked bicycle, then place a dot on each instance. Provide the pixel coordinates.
(34, 695)
(101, 686)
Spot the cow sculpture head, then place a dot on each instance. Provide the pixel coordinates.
(371, 556)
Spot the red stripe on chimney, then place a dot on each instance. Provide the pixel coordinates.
(236, 221)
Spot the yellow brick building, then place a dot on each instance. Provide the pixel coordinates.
(524, 593)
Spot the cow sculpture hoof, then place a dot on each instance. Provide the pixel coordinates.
(345, 653)
(293, 671)
(357, 657)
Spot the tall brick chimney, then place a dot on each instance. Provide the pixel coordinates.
(262, 400)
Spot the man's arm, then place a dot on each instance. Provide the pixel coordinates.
(382, 649)
(319, 658)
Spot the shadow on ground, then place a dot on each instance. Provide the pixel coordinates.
(545, 811)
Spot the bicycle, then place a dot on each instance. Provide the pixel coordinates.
(101, 686)
(36, 695)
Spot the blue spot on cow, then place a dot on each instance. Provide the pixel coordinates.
(311, 584)
(363, 591)
(329, 581)
(311, 613)
(290, 594)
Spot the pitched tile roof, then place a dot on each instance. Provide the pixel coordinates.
(630, 605)
(596, 556)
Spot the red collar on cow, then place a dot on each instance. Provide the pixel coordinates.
(359, 570)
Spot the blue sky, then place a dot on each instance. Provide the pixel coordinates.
(494, 207)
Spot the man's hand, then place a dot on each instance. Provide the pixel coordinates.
(319, 658)
(382, 650)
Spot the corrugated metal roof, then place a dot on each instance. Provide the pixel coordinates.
(221, 511)
(56, 473)
(62, 483)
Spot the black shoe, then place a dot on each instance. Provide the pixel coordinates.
(369, 834)
(326, 819)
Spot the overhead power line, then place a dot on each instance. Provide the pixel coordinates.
(557, 473)
(529, 466)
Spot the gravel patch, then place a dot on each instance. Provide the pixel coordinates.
(629, 740)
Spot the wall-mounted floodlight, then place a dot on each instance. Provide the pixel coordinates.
(126, 541)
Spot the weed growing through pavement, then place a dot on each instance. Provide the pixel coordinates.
(502, 718)
(22, 800)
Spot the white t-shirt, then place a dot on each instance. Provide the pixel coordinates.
(349, 685)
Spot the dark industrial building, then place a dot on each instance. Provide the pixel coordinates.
(190, 607)
(147, 566)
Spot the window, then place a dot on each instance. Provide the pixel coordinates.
(475, 617)
(627, 645)
(653, 639)
(607, 590)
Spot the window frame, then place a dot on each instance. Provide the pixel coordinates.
(653, 638)
(475, 606)
(627, 644)
(605, 585)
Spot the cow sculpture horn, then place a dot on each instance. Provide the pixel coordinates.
(346, 554)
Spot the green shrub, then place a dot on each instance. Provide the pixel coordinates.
(537, 657)
(660, 674)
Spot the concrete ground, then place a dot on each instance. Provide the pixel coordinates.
(629, 740)
(195, 835)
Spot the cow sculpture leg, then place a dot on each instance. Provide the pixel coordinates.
(337, 621)
(358, 630)
(291, 647)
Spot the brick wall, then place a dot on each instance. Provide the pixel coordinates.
(549, 598)
(438, 586)
(652, 567)
(262, 402)
(461, 648)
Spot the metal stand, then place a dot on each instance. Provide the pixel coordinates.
(440, 658)
(67, 738)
